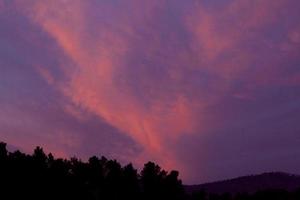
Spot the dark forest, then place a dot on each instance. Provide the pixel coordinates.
(41, 176)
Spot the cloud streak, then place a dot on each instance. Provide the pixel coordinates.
(161, 71)
(98, 81)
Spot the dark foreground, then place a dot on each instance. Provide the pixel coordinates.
(41, 176)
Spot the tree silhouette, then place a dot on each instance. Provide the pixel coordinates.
(3, 151)
(157, 183)
(41, 176)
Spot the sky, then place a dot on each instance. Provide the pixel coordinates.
(209, 88)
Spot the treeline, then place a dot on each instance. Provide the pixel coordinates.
(41, 176)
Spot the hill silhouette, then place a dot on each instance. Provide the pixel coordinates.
(250, 184)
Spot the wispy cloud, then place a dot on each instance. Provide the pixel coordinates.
(162, 71)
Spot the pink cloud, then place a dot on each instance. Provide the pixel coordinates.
(130, 70)
(100, 57)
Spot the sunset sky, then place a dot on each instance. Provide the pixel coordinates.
(210, 88)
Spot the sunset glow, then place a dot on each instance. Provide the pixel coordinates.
(192, 85)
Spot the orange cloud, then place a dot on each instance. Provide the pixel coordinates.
(113, 69)
(219, 33)
(100, 59)
(46, 75)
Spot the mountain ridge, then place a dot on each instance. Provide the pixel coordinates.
(249, 183)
